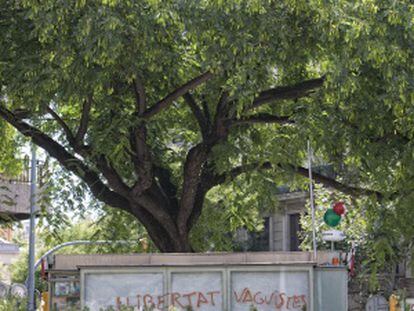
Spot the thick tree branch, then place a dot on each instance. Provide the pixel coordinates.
(67, 160)
(198, 114)
(288, 92)
(114, 180)
(221, 106)
(65, 127)
(332, 183)
(169, 189)
(22, 113)
(319, 178)
(195, 182)
(166, 101)
(220, 127)
(141, 157)
(141, 206)
(140, 96)
(206, 110)
(218, 179)
(198, 204)
(261, 118)
(141, 154)
(196, 158)
(83, 125)
(111, 175)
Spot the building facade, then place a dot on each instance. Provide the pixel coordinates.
(14, 205)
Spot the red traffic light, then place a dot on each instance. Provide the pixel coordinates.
(339, 208)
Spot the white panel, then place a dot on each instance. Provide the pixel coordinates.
(199, 291)
(236, 289)
(115, 289)
(273, 290)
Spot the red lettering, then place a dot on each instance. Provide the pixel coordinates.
(238, 298)
(282, 301)
(201, 299)
(118, 302)
(190, 303)
(174, 299)
(303, 297)
(296, 301)
(139, 301)
(289, 302)
(255, 298)
(161, 301)
(247, 296)
(268, 301)
(211, 294)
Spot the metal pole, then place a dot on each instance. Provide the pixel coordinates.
(312, 201)
(31, 278)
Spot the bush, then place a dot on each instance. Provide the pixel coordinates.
(13, 304)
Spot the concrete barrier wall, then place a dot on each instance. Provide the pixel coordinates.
(237, 288)
(214, 281)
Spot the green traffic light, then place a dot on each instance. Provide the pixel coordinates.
(331, 218)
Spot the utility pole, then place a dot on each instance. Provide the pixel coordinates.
(312, 201)
(31, 277)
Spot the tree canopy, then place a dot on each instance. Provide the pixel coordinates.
(153, 104)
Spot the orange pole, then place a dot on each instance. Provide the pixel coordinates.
(394, 303)
(45, 301)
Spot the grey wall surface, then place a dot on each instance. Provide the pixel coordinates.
(103, 290)
(331, 289)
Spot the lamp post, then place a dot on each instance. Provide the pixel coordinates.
(31, 278)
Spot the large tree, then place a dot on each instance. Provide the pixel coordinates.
(154, 103)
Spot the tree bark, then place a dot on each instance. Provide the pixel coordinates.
(161, 238)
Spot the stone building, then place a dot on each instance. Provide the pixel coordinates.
(281, 228)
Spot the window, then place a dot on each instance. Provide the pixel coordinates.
(294, 229)
(248, 241)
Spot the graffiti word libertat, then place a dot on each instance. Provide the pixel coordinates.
(277, 299)
(181, 300)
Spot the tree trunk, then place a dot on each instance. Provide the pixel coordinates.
(167, 244)
(165, 241)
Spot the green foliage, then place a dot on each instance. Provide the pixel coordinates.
(9, 164)
(59, 53)
(12, 304)
(390, 239)
(383, 235)
(354, 223)
(229, 208)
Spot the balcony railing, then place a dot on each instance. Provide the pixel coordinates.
(24, 176)
(15, 192)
